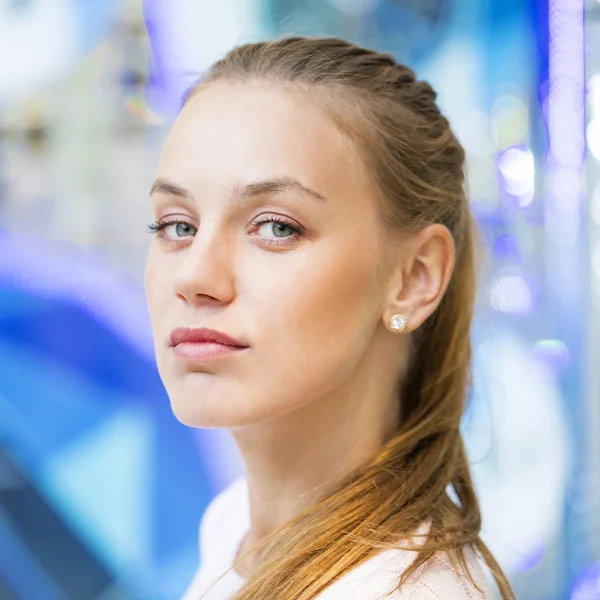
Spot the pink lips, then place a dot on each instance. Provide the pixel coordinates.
(203, 343)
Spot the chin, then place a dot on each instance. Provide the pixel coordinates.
(207, 401)
(213, 411)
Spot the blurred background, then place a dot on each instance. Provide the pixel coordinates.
(101, 489)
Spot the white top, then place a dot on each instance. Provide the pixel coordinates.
(227, 519)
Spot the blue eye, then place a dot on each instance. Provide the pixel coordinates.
(181, 229)
(282, 231)
(279, 227)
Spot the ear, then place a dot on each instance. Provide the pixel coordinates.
(425, 264)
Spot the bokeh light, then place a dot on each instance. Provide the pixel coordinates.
(588, 585)
(552, 352)
(593, 137)
(511, 293)
(517, 170)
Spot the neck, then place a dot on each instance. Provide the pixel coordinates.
(296, 459)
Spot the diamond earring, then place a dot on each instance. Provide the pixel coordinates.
(398, 322)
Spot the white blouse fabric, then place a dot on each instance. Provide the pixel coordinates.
(227, 518)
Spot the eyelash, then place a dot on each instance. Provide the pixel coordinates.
(157, 227)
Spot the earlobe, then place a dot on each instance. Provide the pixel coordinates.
(398, 322)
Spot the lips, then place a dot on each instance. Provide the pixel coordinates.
(203, 335)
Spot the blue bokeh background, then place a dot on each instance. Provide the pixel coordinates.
(101, 488)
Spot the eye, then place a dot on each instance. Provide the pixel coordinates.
(278, 229)
(172, 230)
(281, 230)
(273, 230)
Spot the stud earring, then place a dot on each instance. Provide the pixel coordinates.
(398, 322)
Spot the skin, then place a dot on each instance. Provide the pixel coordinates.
(316, 394)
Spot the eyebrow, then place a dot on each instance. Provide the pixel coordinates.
(249, 190)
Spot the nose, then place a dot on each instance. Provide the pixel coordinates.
(205, 273)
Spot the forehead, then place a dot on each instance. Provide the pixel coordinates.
(248, 131)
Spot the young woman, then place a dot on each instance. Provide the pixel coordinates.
(311, 288)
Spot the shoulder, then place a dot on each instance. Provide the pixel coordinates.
(439, 578)
(228, 498)
(223, 519)
(224, 516)
(378, 578)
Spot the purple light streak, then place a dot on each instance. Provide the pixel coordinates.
(566, 120)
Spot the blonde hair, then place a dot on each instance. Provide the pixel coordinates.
(418, 166)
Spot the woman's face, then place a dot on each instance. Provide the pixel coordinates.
(291, 273)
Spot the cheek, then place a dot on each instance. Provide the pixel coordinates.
(318, 319)
(329, 290)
